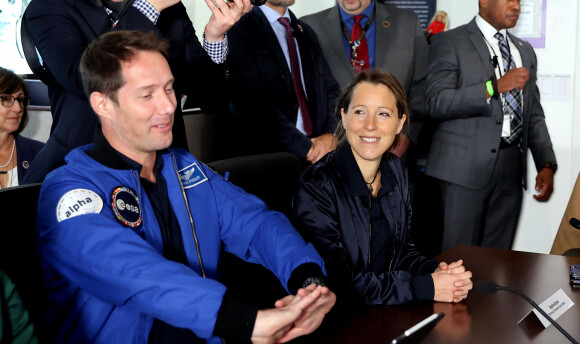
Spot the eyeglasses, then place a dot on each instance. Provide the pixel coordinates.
(8, 101)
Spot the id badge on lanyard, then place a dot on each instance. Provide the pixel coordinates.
(357, 65)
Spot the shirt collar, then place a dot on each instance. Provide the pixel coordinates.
(353, 179)
(114, 6)
(488, 30)
(105, 154)
(96, 3)
(272, 15)
(366, 13)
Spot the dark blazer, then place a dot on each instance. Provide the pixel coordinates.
(331, 211)
(62, 29)
(264, 100)
(466, 141)
(401, 49)
(26, 150)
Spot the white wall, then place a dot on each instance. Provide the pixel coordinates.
(38, 126)
(459, 11)
(539, 222)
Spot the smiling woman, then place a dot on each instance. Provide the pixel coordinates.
(373, 111)
(354, 206)
(16, 152)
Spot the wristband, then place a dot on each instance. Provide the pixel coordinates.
(315, 280)
(489, 86)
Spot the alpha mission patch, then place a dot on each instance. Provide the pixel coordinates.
(78, 202)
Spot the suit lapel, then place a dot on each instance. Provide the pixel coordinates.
(265, 31)
(526, 61)
(384, 35)
(335, 40)
(481, 47)
(95, 15)
(306, 58)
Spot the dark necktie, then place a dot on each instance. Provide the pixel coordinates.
(295, 71)
(513, 98)
(362, 52)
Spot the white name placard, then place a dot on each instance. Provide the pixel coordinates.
(554, 306)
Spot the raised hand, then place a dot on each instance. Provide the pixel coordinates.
(224, 16)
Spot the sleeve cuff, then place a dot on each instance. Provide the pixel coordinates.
(428, 267)
(147, 9)
(423, 288)
(217, 51)
(304, 275)
(235, 320)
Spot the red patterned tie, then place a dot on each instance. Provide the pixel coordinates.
(363, 49)
(296, 76)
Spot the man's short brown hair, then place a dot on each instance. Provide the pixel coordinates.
(101, 61)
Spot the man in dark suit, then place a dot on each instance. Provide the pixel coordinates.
(481, 89)
(395, 42)
(279, 108)
(61, 30)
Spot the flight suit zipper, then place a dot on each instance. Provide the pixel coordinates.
(190, 218)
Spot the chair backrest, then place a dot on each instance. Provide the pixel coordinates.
(19, 256)
(273, 177)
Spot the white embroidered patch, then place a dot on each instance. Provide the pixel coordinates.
(191, 176)
(78, 202)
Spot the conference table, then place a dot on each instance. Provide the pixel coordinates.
(481, 318)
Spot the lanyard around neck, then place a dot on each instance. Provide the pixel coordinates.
(115, 18)
(354, 45)
(495, 59)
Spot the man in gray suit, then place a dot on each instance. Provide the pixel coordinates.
(395, 42)
(481, 89)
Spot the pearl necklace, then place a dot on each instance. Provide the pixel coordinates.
(11, 155)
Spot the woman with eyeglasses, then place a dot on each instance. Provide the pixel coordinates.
(16, 152)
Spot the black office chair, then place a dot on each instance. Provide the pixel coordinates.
(19, 256)
(272, 177)
(573, 252)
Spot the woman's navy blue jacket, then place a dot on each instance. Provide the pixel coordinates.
(26, 149)
(331, 209)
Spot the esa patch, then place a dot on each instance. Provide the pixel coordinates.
(191, 176)
(126, 207)
(78, 202)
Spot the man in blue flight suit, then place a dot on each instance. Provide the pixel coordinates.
(130, 232)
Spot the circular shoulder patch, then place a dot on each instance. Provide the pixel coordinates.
(125, 205)
(78, 202)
